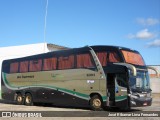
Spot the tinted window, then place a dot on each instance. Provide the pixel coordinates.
(35, 65)
(84, 61)
(121, 80)
(113, 57)
(50, 64)
(102, 56)
(66, 62)
(24, 66)
(14, 67)
(133, 58)
(108, 57)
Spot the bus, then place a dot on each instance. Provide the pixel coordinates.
(98, 76)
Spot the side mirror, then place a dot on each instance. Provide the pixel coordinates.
(129, 66)
(154, 69)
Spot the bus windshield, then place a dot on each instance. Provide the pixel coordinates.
(140, 83)
(133, 58)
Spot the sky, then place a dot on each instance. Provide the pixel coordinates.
(133, 24)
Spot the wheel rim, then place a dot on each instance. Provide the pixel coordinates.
(97, 103)
(28, 99)
(19, 99)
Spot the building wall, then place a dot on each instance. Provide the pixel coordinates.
(155, 85)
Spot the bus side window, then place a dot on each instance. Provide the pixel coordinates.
(35, 65)
(14, 67)
(50, 64)
(85, 61)
(102, 56)
(24, 66)
(66, 62)
(113, 57)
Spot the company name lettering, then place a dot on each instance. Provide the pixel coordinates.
(28, 76)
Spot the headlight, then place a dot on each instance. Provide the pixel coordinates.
(148, 94)
(133, 96)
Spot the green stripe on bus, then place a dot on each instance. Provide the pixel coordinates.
(81, 95)
(104, 98)
(120, 98)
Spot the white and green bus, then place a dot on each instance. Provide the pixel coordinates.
(99, 76)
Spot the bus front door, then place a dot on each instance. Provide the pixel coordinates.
(121, 91)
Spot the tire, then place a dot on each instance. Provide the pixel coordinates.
(96, 103)
(19, 99)
(28, 99)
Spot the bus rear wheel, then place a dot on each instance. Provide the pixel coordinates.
(28, 99)
(19, 99)
(96, 103)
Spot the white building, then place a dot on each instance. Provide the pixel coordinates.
(26, 50)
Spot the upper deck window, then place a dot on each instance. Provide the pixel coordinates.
(108, 57)
(35, 65)
(14, 67)
(49, 64)
(102, 56)
(84, 61)
(133, 58)
(24, 66)
(66, 62)
(113, 57)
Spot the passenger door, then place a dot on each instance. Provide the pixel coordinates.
(121, 91)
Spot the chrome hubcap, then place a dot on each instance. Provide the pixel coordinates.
(28, 99)
(19, 98)
(97, 103)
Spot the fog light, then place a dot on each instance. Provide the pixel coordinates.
(145, 103)
(133, 103)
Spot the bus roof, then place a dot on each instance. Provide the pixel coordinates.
(81, 49)
(104, 47)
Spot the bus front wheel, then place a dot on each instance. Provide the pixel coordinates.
(28, 99)
(96, 103)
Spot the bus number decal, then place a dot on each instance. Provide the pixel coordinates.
(90, 74)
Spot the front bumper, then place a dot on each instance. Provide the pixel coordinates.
(140, 101)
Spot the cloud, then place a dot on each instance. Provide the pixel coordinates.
(155, 43)
(148, 21)
(143, 34)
